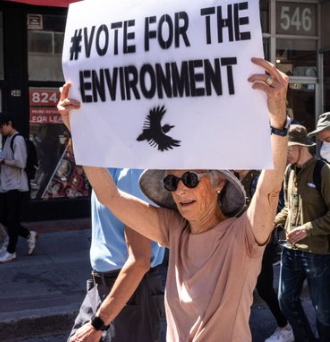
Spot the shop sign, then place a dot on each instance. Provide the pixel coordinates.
(296, 18)
(43, 103)
(34, 22)
(52, 3)
(15, 93)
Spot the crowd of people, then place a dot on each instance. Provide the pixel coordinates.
(148, 228)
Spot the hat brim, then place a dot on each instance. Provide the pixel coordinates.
(318, 130)
(306, 143)
(231, 199)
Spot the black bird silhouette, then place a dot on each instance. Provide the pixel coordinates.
(154, 132)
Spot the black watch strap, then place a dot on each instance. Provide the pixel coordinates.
(281, 132)
(98, 324)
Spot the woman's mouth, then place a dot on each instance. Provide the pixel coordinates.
(187, 203)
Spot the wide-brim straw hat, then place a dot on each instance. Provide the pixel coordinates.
(298, 136)
(322, 123)
(231, 198)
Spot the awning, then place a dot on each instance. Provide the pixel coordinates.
(52, 3)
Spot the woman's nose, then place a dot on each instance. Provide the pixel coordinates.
(181, 188)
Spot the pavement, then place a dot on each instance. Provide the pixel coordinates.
(40, 294)
(43, 292)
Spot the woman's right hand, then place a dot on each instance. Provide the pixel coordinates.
(66, 105)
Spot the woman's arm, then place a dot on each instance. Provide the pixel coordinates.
(132, 211)
(262, 210)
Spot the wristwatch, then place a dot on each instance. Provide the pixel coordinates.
(281, 132)
(98, 324)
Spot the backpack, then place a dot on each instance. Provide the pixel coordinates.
(317, 180)
(32, 157)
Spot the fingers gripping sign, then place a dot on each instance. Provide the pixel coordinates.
(66, 105)
(274, 83)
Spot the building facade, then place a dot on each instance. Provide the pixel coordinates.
(296, 36)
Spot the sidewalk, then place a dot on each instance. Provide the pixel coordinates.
(43, 292)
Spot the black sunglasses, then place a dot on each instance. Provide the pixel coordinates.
(190, 179)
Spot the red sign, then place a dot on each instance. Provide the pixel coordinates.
(43, 106)
(52, 3)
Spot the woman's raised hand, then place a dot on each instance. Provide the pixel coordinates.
(65, 104)
(275, 84)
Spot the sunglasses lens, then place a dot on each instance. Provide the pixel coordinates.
(171, 182)
(190, 179)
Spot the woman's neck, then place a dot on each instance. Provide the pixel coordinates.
(200, 226)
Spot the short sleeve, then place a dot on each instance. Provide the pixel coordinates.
(170, 222)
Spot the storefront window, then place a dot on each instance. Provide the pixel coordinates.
(0, 111)
(57, 176)
(45, 41)
(297, 57)
(1, 48)
(326, 66)
(266, 45)
(264, 16)
(301, 104)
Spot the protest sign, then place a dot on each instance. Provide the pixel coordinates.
(164, 84)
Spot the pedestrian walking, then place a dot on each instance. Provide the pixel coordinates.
(306, 255)
(125, 296)
(13, 187)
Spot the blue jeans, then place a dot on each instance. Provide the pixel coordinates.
(296, 266)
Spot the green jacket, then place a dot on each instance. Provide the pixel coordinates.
(308, 207)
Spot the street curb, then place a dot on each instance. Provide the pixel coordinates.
(38, 322)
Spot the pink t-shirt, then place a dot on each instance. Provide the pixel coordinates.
(210, 281)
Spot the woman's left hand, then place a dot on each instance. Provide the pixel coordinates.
(274, 84)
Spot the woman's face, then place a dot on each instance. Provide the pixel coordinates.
(200, 203)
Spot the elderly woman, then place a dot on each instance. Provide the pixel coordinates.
(215, 258)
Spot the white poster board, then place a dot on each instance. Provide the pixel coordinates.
(163, 84)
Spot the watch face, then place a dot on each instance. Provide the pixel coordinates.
(98, 324)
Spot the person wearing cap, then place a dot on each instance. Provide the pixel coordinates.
(214, 256)
(322, 133)
(306, 255)
(13, 185)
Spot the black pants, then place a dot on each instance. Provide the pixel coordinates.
(265, 286)
(10, 211)
(141, 318)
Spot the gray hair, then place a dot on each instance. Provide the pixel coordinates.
(214, 177)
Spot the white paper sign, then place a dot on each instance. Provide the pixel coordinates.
(163, 84)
